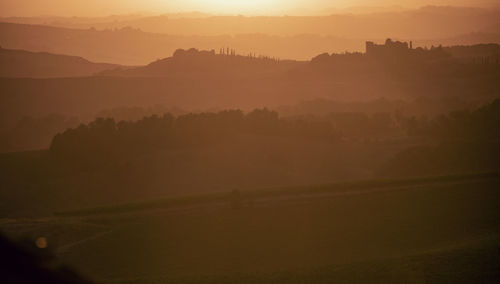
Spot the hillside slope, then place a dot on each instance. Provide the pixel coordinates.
(21, 63)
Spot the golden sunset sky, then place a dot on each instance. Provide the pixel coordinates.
(246, 7)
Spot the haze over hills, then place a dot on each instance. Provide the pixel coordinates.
(133, 47)
(136, 40)
(25, 64)
(196, 80)
(129, 46)
(255, 141)
(33, 111)
(86, 22)
(430, 22)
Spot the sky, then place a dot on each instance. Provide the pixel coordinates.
(246, 7)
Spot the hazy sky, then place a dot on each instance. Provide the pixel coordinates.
(107, 7)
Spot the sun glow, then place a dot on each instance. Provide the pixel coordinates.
(240, 6)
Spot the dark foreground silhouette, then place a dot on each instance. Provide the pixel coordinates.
(29, 264)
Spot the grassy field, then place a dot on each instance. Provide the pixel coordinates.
(435, 230)
(333, 189)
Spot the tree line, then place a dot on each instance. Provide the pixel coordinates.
(459, 142)
(104, 139)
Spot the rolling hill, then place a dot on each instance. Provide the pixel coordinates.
(26, 64)
(204, 80)
(194, 62)
(138, 40)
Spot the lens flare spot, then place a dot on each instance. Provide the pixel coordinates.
(41, 242)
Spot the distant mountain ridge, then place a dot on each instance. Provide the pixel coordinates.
(131, 46)
(428, 22)
(26, 64)
(194, 62)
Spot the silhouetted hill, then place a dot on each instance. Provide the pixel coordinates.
(208, 63)
(138, 41)
(130, 46)
(473, 38)
(21, 63)
(475, 52)
(420, 68)
(205, 80)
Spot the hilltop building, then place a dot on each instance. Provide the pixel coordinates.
(390, 48)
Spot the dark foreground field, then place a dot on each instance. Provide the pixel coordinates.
(438, 231)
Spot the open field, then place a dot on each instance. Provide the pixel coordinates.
(432, 230)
